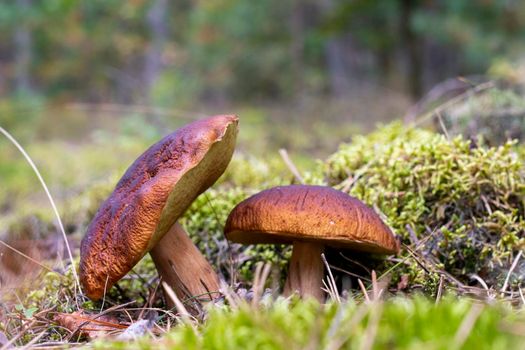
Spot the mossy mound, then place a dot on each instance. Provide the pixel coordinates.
(497, 115)
(467, 197)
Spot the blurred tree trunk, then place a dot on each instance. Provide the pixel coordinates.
(339, 82)
(23, 50)
(384, 60)
(412, 48)
(156, 21)
(297, 47)
(335, 60)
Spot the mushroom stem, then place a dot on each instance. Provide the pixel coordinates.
(182, 266)
(306, 271)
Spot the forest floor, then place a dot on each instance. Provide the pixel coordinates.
(454, 199)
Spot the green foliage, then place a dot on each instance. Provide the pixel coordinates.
(53, 291)
(234, 50)
(204, 221)
(372, 23)
(466, 201)
(258, 50)
(249, 172)
(473, 28)
(401, 323)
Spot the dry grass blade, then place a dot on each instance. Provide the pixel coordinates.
(373, 324)
(261, 275)
(440, 289)
(291, 165)
(104, 296)
(326, 288)
(55, 210)
(379, 285)
(19, 335)
(466, 325)
(336, 268)
(181, 309)
(439, 109)
(490, 294)
(149, 302)
(355, 262)
(233, 299)
(412, 235)
(375, 288)
(34, 340)
(513, 266)
(442, 125)
(350, 181)
(342, 335)
(332, 287)
(363, 289)
(480, 281)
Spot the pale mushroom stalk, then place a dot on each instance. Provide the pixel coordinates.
(187, 272)
(306, 270)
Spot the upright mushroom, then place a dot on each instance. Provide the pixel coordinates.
(145, 205)
(310, 218)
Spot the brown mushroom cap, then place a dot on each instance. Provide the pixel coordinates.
(153, 193)
(309, 213)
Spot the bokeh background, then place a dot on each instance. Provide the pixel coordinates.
(86, 86)
(352, 61)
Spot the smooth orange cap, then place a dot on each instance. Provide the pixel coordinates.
(309, 213)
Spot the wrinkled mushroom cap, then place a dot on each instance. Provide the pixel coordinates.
(309, 213)
(153, 193)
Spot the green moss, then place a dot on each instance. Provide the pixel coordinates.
(52, 291)
(465, 200)
(205, 220)
(250, 172)
(401, 323)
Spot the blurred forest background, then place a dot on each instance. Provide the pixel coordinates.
(86, 86)
(300, 60)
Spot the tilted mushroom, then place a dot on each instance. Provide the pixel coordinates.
(140, 215)
(310, 218)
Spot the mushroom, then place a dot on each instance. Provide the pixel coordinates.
(140, 215)
(310, 218)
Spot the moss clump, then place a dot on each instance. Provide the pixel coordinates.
(469, 198)
(401, 323)
(57, 292)
(204, 221)
(250, 172)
